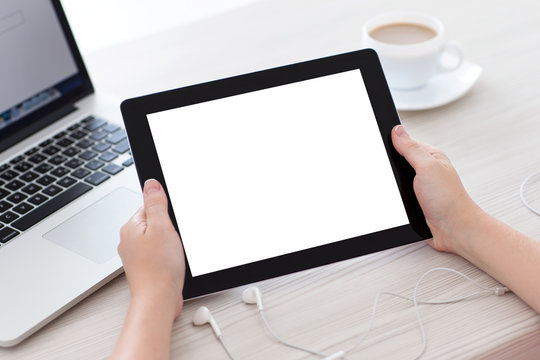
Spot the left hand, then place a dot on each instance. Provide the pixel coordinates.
(152, 252)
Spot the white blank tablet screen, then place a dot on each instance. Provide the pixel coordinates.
(274, 171)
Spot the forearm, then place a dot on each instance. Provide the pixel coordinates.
(147, 331)
(506, 254)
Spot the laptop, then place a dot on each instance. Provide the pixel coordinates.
(67, 183)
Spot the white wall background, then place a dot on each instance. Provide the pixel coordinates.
(98, 24)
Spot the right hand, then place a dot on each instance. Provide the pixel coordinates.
(445, 203)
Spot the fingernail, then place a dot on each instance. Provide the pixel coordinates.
(151, 186)
(400, 131)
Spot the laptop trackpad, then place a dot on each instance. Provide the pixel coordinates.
(95, 231)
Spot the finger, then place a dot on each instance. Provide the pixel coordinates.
(412, 150)
(155, 202)
(139, 217)
(135, 224)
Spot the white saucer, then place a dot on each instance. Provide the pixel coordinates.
(440, 89)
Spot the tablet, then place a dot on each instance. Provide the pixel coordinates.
(279, 170)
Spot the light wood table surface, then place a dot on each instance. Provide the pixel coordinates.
(491, 135)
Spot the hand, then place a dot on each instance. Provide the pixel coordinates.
(447, 207)
(152, 253)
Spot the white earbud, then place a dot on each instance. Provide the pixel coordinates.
(252, 295)
(204, 316)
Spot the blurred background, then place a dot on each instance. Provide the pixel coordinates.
(99, 24)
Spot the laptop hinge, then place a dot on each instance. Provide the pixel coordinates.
(29, 129)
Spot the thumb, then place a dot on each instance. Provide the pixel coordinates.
(412, 150)
(155, 201)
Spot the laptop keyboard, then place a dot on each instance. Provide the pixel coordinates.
(49, 176)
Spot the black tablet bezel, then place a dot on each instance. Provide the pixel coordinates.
(147, 163)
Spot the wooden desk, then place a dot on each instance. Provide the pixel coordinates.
(492, 136)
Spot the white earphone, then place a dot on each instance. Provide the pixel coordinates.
(252, 296)
(204, 316)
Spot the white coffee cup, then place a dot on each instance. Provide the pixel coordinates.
(410, 64)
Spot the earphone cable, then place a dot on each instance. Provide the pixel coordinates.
(203, 315)
(522, 190)
(416, 302)
(280, 340)
(225, 347)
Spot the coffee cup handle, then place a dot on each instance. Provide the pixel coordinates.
(453, 49)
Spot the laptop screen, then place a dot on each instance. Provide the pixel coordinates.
(41, 65)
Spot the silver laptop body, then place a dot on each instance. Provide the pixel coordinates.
(66, 173)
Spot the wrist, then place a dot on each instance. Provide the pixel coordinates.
(158, 304)
(469, 223)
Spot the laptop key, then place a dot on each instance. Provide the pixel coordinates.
(17, 159)
(43, 168)
(97, 178)
(41, 212)
(4, 205)
(77, 135)
(80, 173)
(16, 197)
(108, 156)
(23, 208)
(59, 171)
(29, 176)
(7, 234)
(4, 167)
(38, 199)
(101, 147)
(31, 189)
(9, 175)
(8, 217)
(74, 126)
(72, 151)
(95, 124)
(99, 135)
(110, 128)
(14, 185)
(122, 147)
(87, 119)
(94, 165)
(65, 142)
(37, 158)
(46, 180)
(88, 155)
(4, 193)
(52, 190)
(112, 169)
(85, 143)
(51, 150)
(116, 137)
(32, 151)
(22, 167)
(46, 143)
(57, 160)
(74, 163)
(60, 135)
(66, 182)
